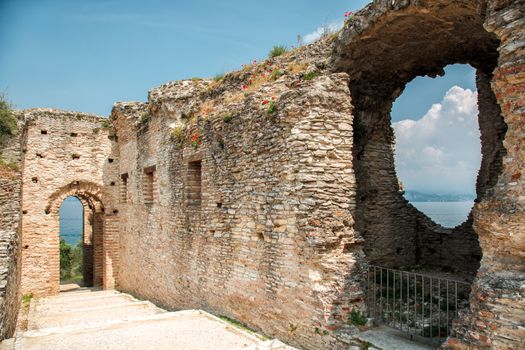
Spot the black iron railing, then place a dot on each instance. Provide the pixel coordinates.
(419, 304)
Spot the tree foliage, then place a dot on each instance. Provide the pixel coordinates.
(70, 261)
(8, 125)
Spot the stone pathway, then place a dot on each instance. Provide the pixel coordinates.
(390, 339)
(88, 319)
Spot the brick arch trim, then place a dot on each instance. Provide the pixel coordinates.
(87, 192)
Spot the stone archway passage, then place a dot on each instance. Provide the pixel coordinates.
(84, 218)
(43, 252)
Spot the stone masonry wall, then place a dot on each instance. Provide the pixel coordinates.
(496, 319)
(266, 210)
(10, 196)
(265, 195)
(417, 39)
(420, 38)
(271, 242)
(65, 154)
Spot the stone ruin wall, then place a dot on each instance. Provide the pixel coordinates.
(65, 153)
(287, 220)
(419, 38)
(496, 318)
(376, 210)
(271, 243)
(10, 196)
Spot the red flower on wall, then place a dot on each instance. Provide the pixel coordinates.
(196, 139)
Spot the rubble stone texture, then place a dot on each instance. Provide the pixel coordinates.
(266, 195)
(10, 196)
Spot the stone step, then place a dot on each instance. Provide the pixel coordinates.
(269, 345)
(194, 330)
(81, 294)
(383, 337)
(92, 316)
(7, 344)
(65, 290)
(94, 326)
(69, 305)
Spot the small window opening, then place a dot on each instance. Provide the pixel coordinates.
(40, 155)
(194, 184)
(34, 179)
(110, 160)
(149, 185)
(73, 134)
(124, 188)
(75, 156)
(43, 132)
(112, 183)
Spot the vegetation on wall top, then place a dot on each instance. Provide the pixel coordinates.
(8, 124)
(277, 51)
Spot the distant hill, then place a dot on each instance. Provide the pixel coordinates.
(415, 196)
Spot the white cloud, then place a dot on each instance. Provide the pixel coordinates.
(441, 152)
(329, 28)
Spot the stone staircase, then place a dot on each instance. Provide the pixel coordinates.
(89, 319)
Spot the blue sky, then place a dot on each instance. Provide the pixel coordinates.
(85, 55)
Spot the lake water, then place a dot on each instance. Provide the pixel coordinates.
(447, 214)
(71, 220)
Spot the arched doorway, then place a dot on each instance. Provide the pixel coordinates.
(93, 212)
(99, 244)
(41, 240)
(76, 242)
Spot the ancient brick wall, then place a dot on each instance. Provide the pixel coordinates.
(10, 196)
(65, 154)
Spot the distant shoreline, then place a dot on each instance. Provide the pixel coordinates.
(443, 201)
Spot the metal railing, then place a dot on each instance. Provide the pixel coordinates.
(421, 305)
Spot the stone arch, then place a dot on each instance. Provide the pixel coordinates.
(101, 225)
(90, 195)
(382, 48)
(399, 43)
(88, 192)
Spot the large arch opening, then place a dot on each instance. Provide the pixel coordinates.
(381, 56)
(437, 144)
